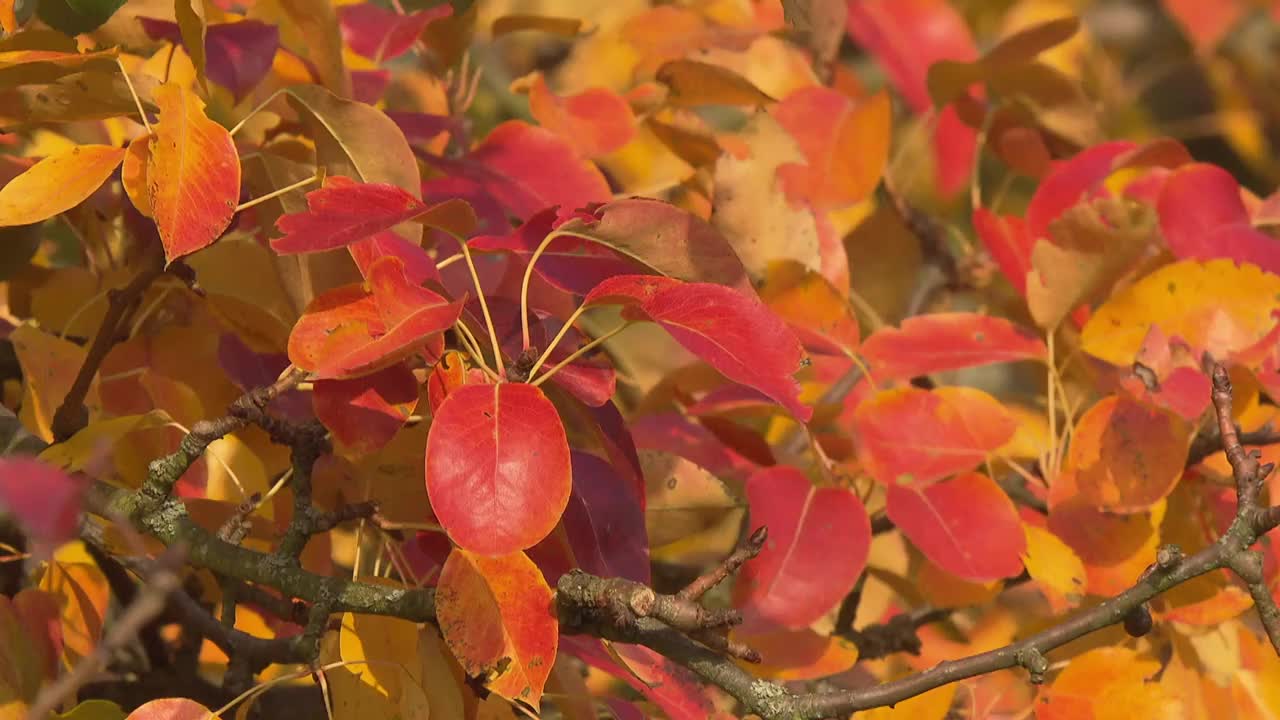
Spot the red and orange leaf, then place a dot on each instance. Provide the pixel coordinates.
(794, 581)
(133, 173)
(1009, 243)
(497, 467)
(345, 211)
(418, 265)
(57, 183)
(364, 413)
(948, 341)
(193, 174)
(348, 332)
(965, 525)
(722, 326)
(1114, 548)
(1127, 455)
(596, 121)
(909, 436)
(845, 146)
(822, 318)
(495, 615)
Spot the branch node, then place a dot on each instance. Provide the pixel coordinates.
(1035, 662)
(1169, 556)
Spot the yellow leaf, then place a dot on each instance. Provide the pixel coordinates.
(235, 473)
(1054, 566)
(390, 641)
(49, 366)
(57, 184)
(932, 705)
(83, 448)
(1217, 306)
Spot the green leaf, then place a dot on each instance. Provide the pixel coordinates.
(74, 17)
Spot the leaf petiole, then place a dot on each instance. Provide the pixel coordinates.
(318, 177)
(579, 353)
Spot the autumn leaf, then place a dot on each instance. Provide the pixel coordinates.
(45, 500)
(1216, 306)
(948, 341)
(497, 467)
(845, 146)
(694, 83)
(364, 413)
(793, 582)
(193, 174)
(911, 436)
(596, 121)
(381, 34)
(170, 709)
(237, 55)
(720, 325)
(57, 183)
(965, 525)
(495, 615)
(822, 319)
(1202, 217)
(1126, 455)
(1104, 680)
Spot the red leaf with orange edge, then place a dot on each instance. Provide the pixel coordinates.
(913, 436)
(497, 466)
(528, 168)
(345, 211)
(348, 332)
(1203, 217)
(364, 413)
(965, 525)
(795, 580)
(1127, 455)
(193, 173)
(948, 341)
(735, 333)
(845, 145)
(595, 122)
(44, 500)
(495, 614)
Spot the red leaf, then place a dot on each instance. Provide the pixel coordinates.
(193, 173)
(528, 168)
(348, 332)
(170, 709)
(497, 467)
(947, 341)
(796, 579)
(670, 686)
(1007, 239)
(724, 327)
(1203, 217)
(381, 34)
(364, 413)
(345, 211)
(595, 122)
(913, 436)
(43, 499)
(1071, 180)
(965, 525)
(845, 146)
(418, 265)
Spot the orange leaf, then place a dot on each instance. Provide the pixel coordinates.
(1114, 548)
(193, 174)
(813, 307)
(57, 183)
(49, 367)
(133, 174)
(596, 121)
(1055, 567)
(908, 435)
(799, 654)
(495, 615)
(1111, 683)
(845, 146)
(1127, 455)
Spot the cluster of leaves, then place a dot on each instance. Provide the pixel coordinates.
(611, 314)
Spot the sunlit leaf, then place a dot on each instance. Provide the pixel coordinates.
(1054, 566)
(910, 436)
(596, 121)
(1202, 218)
(497, 466)
(845, 146)
(1107, 683)
(57, 183)
(193, 174)
(948, 341)
(1126, 455)
(720, 325)
(495, 615)
(793, 581)
(364, 413)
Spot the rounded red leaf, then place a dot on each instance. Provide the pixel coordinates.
(497, 467)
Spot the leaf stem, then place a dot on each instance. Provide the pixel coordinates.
(484, 306)
(524, 288)
(136, 100)
(262, 105)
(564, 330)
(579, 353)
(281, 191)
(472, 347)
